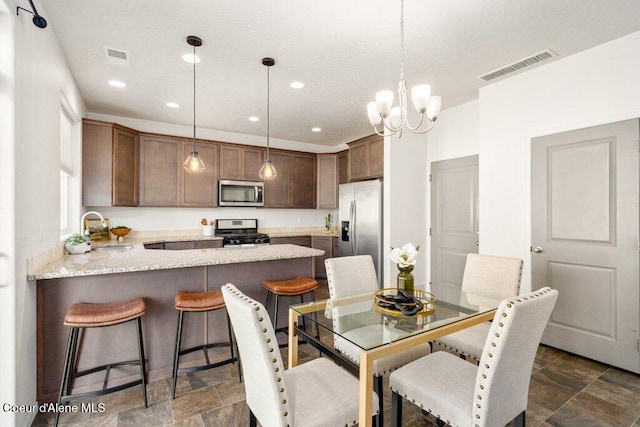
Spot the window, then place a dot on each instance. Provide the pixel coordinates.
(68, 192)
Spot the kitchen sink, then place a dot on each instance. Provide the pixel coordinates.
(114, 247)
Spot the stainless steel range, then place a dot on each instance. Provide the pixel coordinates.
(240, 233)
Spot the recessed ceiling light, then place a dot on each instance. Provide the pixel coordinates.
(191, 58)
(296, 85)
(172, 105)
(254, 119)
(117, 83)
(316, 129)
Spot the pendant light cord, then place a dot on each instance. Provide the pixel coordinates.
(268, 97)
(194, 98)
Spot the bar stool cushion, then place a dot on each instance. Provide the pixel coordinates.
(199, 301)
(88, 315)
(292, 287)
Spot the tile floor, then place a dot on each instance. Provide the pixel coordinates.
(565, 390)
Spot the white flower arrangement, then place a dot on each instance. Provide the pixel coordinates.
(405, 256)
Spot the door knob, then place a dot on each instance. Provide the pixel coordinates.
(537, 249)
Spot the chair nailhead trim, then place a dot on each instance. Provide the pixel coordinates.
(268, 340)
(264, 330)
(277, 369)
(260, 319)
(284, 401)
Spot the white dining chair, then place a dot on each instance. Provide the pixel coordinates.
(488, 395)
(352, 275)
(484, 276)
(316, 393)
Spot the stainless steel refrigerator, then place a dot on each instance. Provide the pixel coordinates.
(360, 216)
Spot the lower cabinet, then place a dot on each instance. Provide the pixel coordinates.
(329, 244)
(187, 244)
(297, 240)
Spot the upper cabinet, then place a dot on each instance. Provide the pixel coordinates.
(327, 181)
(366, 158)
(163, 180)
(109, 164)
(343, 167)
(240, 163)
(295, 185)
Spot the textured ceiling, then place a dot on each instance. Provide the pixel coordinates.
(343, 50)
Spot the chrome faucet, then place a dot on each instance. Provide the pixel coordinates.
(83, 230)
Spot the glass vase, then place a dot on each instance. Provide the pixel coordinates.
(405, 279)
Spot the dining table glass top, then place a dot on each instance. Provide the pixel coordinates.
(360, 320)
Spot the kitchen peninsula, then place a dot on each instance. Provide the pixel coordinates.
(156, 275)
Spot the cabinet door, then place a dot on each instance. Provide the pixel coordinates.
(178, 246)
(376, 157)
(200, 189)
(296, 240)
(303, 181)
(230, 162)
(159, 174)
(207, 244)
(97, 164)
(252, 159)
(324, 243)
(343, 167)
(125, 168)
(277, 192)
(358, 161)
(327, 181)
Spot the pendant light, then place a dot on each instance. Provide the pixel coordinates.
(193, 163)
(268, 171)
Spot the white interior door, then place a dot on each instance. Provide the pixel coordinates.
(585, 232)
(454, 222)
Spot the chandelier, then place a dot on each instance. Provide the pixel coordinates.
(394, 119)
(193, 163)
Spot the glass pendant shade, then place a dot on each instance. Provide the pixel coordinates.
(420, 96)
(372, 112)
(434, 107)
(268, 171)
(395, 117)
(384, 101)
(194, 163)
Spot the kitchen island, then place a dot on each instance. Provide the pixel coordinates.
(156, 275)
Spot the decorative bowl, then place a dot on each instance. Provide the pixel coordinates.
(383, 296)
(120, 231)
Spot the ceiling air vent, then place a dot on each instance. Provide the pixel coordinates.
(518, 65)
(117, 57)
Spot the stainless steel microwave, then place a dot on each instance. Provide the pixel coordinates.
(240, 193)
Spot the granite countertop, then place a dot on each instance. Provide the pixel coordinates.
(140, 259)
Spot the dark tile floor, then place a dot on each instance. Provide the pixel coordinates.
(565, 390)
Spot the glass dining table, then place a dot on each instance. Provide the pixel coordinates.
(378, 330)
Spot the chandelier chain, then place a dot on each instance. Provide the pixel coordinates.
(401, 39)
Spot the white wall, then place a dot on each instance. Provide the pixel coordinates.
(590, 88)
(42, 77)
(7, 201)
(405, 183)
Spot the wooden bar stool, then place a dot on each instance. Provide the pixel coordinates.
(91, 315)
(200, 302)
(296, 287)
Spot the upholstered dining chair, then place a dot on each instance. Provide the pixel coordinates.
(352, 275)
(485, 276)
(491, 394)
(316, 393)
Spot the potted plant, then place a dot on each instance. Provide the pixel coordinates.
(77, 244)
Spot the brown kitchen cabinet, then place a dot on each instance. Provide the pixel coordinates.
(328, 244)
(240, 163)
(327, 181)
(200, 189)
(366, 158)
(343, 167)
(295, 185)
(163, 180)
(294, 240)
(109, 164)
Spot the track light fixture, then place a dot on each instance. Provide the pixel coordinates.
(38, 20)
